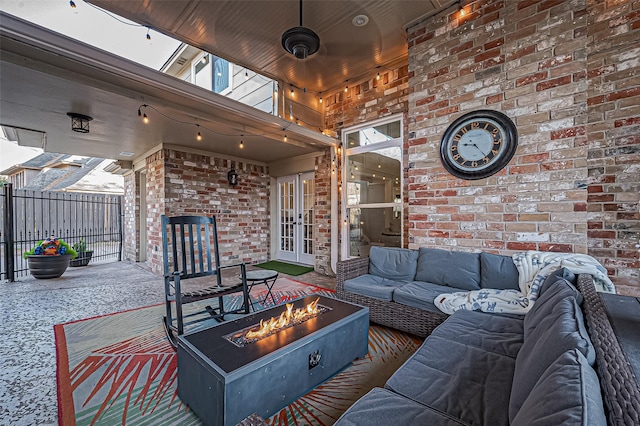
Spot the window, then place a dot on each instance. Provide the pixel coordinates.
(373, 177)
(212, 73)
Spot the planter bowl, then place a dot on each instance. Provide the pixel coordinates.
(82, 259)
(43, 267)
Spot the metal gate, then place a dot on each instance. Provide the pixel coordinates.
(27, 217)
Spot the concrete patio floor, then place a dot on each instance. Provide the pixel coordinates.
(30, 308)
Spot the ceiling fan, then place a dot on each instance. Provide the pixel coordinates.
(300, 41)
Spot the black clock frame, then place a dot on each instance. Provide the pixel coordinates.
(510, 141)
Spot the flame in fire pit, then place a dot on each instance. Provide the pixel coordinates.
(286, 318)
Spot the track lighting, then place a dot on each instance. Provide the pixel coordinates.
(72, 4)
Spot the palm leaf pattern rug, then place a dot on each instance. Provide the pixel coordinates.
(121, 369)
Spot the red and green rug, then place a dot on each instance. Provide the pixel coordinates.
(121, 369)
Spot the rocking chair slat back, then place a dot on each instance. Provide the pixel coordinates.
(190, 250)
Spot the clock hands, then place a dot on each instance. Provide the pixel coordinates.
(476, 146)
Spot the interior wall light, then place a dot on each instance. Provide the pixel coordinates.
(397, 206)
(79, 122)
(232, 177)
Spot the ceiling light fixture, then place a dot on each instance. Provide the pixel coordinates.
(199, 135)
(300, 41)
(360, 20)
(79, 122)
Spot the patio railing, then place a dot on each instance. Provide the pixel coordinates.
(27, 217)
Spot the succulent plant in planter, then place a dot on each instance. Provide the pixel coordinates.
(84, 255)
(49, 258)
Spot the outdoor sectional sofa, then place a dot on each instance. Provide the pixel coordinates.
(561, 363)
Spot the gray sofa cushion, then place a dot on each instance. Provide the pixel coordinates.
(568, 393)
(563, 273)
(544, 305)
(372, 286)
(491, 332)
(464, 381)
(451, 268)
(393, 263)
(420, 295)
(383, 407)
(561, 330)
(497, 271)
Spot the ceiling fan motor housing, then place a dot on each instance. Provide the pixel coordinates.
(300, 42)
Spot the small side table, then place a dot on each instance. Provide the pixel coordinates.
(624, 312)
(262, 276)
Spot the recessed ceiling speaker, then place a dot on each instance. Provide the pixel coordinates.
(300, 41)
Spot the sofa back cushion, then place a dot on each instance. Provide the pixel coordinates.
(545, 304)
(561, 330)
(393, 263)
(563, 273)
(497, 271)
(568, 393)
(451, 268)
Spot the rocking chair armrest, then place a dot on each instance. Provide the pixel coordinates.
(242, 266)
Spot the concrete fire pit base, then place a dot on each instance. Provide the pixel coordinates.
(223, 383)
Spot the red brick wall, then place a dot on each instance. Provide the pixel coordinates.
(613, 132)
(181, 183)
(131, 218)
(322, 212)
(155, 181)
(564, 71)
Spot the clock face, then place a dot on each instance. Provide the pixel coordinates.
(478, 144)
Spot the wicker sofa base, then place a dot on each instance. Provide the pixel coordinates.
(391, 314)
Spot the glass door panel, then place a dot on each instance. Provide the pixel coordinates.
(296, 218)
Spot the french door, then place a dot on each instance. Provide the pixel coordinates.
(295, 218)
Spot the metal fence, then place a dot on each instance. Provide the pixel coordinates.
(27, 217)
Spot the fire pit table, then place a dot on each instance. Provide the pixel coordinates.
(225, 373)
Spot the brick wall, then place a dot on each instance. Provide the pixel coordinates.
(546, 64)
(181, 183)
(131, 218)
(155, 182)
(322, 212)
(613, 132)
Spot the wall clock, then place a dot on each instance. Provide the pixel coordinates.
(478, 144)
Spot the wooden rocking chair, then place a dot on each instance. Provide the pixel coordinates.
(186, 246)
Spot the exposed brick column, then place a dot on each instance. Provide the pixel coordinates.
(155, 183)
(322, 212)
(131, 218)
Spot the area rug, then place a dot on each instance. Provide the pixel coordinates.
(120, 369)
(285, 268)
